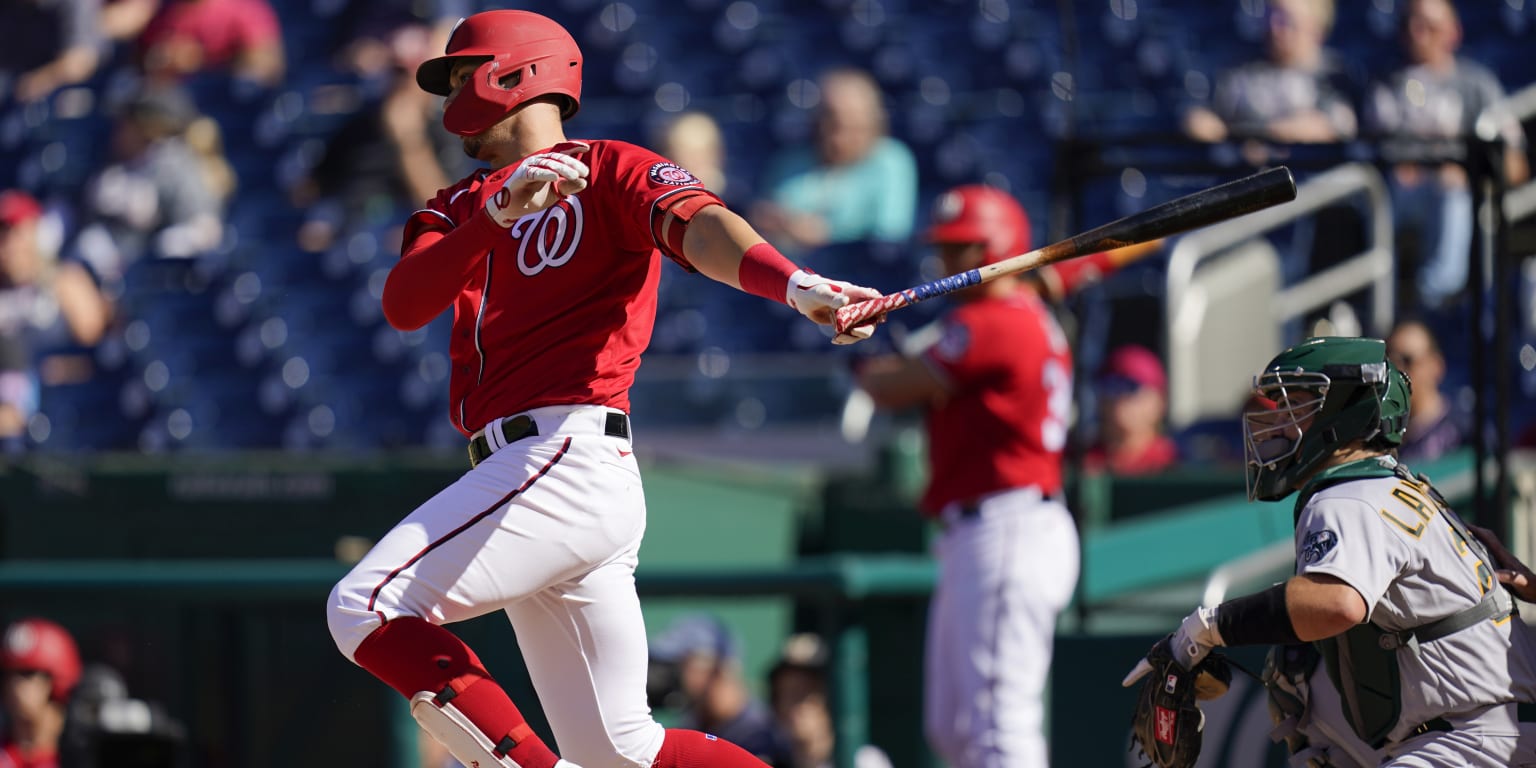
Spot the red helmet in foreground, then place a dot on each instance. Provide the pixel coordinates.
(42, 645)
(976, 213)
(523, 56)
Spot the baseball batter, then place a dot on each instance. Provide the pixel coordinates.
(550, 261)
(997, 387)
(1400, 599)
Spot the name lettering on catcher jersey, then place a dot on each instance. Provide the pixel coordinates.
(1419, 508)
(548, 238)
(1415, 497)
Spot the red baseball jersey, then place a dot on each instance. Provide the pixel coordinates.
(1009, 372)
(559, 312)
(12, 756)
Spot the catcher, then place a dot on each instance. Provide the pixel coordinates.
(1398, 597)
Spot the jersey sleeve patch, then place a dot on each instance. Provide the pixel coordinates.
(1318, 545)
(673, 175)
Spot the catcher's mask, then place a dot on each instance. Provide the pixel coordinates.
(1315, 398)
(976, 213)
(522, 56)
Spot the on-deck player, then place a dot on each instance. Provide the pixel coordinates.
(997, 387)
(1399, 597)
(550, 260)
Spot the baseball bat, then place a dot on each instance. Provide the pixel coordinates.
(1198, 209)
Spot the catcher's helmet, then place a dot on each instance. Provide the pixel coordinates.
(45, 646)
(976, 213)
(1315, 398)
(522, 56)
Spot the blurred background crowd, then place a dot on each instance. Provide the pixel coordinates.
(202, 198)
(205, 195)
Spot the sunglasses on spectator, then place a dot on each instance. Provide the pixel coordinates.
(26, 672)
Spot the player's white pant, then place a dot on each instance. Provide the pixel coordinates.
(547, 529)
(1491, 739)
(1004, 576)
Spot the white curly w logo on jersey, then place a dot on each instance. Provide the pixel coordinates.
(548, 238)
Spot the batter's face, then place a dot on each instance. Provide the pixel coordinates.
(475, 146)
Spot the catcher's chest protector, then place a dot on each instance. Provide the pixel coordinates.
(1363, 664)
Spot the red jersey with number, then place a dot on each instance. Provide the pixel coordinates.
(1004, 424)
(559, 310)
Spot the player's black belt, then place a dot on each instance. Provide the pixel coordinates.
(522, 425)
(1525, 712)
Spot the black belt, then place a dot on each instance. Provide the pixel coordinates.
(1525, 712)
(523, 425)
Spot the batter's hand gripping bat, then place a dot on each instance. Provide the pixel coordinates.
(1219, 203)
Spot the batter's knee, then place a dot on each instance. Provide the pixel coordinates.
(349, 618)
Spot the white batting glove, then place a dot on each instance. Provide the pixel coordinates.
(1194, 639)
(539, 182)
(818, 298)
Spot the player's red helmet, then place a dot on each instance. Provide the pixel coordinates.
(42, 645)
(976, 213)
(523, 56)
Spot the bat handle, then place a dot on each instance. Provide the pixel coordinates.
(853, 315)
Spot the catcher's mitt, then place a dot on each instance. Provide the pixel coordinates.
(1167, 724)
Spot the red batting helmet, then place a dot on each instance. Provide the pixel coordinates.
(523, 55)
(976, 213)
(42, 645)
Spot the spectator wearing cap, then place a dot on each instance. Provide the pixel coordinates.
(702, 654)
(41, 666)
(156, 196)
(48, 44)
(797, 691)
(44, 304)
(1133, 395)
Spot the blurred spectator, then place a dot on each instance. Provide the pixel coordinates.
(390, 155)
(41, 666)
(693, 140)
(191, 36)
(797, 691)
(43, 303)
(1133, 401)
(1297, 94)
(364, 29)
(855, 183)
(155, 196)
(48, 44)
(1435, 426)
(1431, 106)
(696, 668)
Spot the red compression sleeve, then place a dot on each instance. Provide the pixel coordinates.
(765, 272)
(411, 655)
(433, 270)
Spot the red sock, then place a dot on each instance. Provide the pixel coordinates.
(693, 749)
(412, 655)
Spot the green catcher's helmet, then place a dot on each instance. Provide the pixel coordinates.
(1315, 398)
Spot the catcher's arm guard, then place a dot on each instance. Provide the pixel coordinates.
(1168, 724)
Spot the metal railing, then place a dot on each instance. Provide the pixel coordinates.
(1372, 268)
